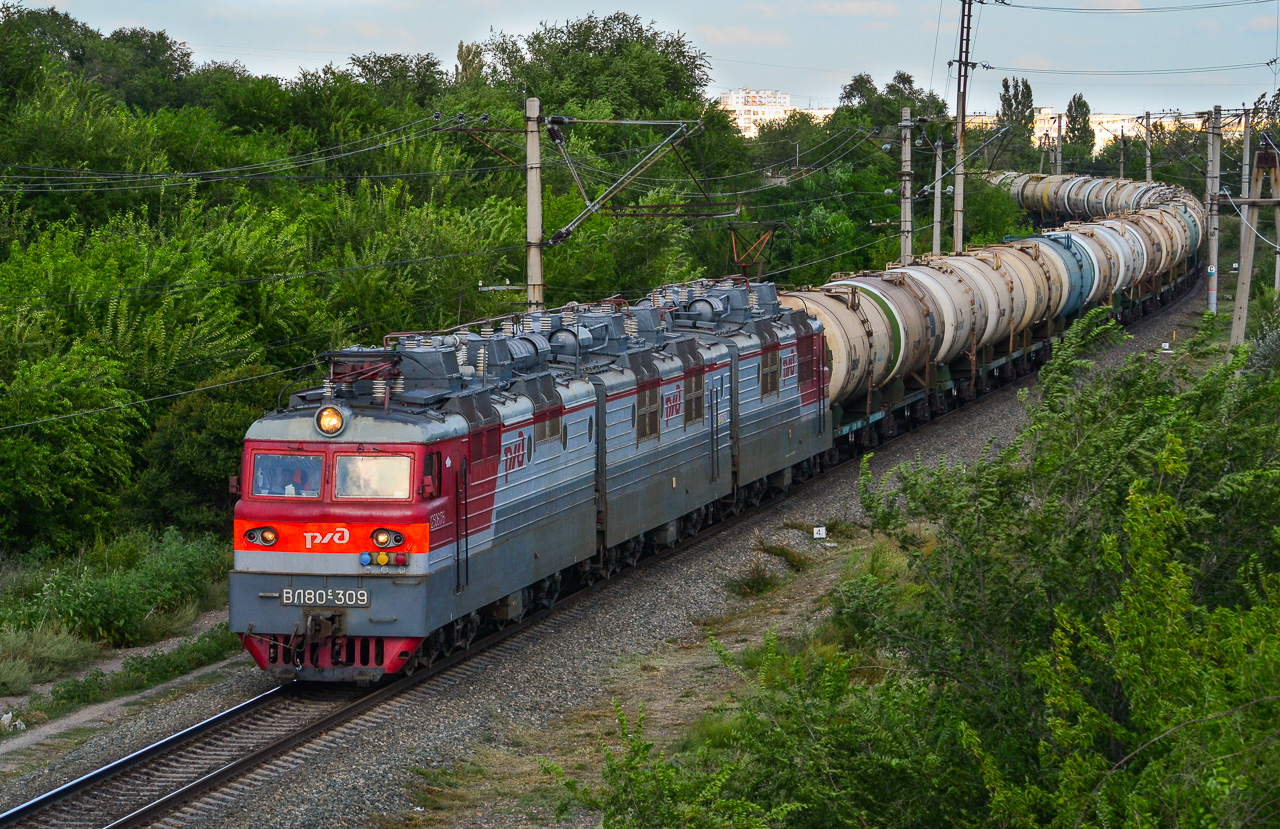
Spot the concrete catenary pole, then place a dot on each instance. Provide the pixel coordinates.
(1248, 243)
(533, 202)
(1057, 162)
(962, 91)
(904, 189)
(1211, 197)
(1146, 120)
(1245, 159)
(937, 198)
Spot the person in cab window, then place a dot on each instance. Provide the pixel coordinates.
(300, 483)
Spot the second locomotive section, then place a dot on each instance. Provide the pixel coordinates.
(442, 484)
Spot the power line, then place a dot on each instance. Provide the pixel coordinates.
(158, 290)
(151, 399)
(1146, 10)
(1136, 72)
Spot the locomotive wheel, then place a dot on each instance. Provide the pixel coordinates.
(546, 592)
(464, 631)
(629, 552)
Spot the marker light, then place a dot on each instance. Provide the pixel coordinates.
(366, 559)
(383, 558)
(329, 420)
(387, 538)
(265, 536)
(401, 559)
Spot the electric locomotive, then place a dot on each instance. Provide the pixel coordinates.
(439, 485)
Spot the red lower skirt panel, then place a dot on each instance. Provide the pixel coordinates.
(284, 651)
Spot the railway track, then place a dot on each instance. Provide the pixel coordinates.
(191, 774)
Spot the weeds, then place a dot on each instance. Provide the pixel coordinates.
(756, 580)
(136, 674)
(39, 655)
(796, 560)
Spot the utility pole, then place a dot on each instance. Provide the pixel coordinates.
(904, 189)
(1057, 165)
(533, 202)
(1245, 191)
(1211, 168)
(1265, 162)
(962, 92)
(937, 200)
(1146, 120)
(1122, 146)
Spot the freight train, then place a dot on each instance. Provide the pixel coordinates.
(442, 484)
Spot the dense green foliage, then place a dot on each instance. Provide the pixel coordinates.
(1077, 631)
(167, 227)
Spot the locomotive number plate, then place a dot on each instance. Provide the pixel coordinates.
(299, 597)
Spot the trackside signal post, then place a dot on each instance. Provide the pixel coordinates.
(533, 202)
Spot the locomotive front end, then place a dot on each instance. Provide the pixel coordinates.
(332, 540)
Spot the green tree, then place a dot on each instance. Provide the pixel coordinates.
(883, 107)
(63, 476)
(1079, 138)
(470, 66)
(1018, 114)
(635, 67)
(398, 77)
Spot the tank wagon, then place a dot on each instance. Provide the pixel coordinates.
(442, 484)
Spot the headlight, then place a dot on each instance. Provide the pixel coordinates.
(266, 536)
(330, 421)
(387, 538)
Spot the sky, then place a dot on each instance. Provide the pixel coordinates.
(807, 48)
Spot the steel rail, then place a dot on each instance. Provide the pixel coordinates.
(137, 758)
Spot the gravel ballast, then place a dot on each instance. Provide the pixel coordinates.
(549, 670)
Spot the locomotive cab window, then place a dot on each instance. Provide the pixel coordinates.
(287, 476)
(431, 477)
(364, 477)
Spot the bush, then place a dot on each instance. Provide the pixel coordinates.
(858, 607)
(756, 580)
(15, 676)
(115, 593)
(46, 653)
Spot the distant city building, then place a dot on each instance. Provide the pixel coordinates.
(750, 108)
(1107, 126)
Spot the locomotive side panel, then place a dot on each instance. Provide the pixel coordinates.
(663, 452)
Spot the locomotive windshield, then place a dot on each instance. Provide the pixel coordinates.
(366, 477)
(288, 476)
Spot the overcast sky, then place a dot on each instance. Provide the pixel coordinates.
(809, 49)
